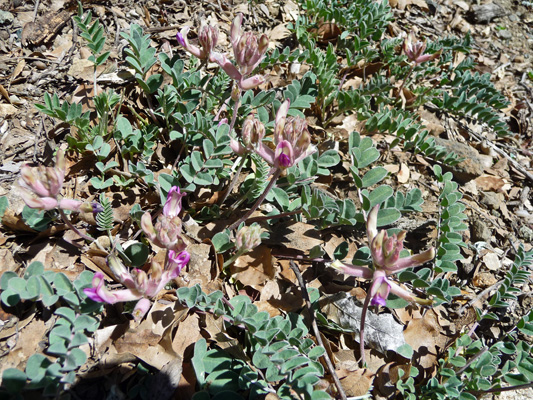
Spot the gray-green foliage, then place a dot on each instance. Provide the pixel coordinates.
(474, 366)
(94, 34)
(75, 320)
(141, 57)
(280, 357)
(451, 223)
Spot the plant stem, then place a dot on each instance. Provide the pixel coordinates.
(232, 259)
(362, 327)
(305, 295)
(71, 226)
(405, 79)
(260, 200)
(281, 215)
(233, 181)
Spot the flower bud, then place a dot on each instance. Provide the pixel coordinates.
(172, 206)
(141, 308)
(117, 268)
(248, 237)
(252, 133)
(208, 37)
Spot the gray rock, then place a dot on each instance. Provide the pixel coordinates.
(491, 200)
(6, 18)
(505, 34)
(480, 232)
(472, 165)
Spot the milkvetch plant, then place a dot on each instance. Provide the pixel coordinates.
(386, 260)
(142, 286)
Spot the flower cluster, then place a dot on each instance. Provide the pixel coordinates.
(248, 238)
(291, 138)
(248, 51)
(41, 188)
(167, 231)
(415, 51)
(142, 285)
(386, 260)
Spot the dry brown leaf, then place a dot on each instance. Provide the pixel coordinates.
(6, 110)
(254, 269)
(403, 175)
(25, 344)
(279, 32)
(392, 168)
(355, 383)
(489, 183)
(425, 337)
(188, 332)
(4, 93)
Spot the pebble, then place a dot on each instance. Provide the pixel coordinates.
(491, 200)
(6, 18)
(472, 165)
(480, 232)
(505, 34)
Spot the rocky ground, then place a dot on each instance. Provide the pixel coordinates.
(41, 52)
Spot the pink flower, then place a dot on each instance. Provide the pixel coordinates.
(207, 36)
(167, 231)
(415, 50)
(41, 187)
(248, 50)
(140, 285)
(172, 206)
(386, 260)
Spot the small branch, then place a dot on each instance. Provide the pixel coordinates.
(362, 326)
(233, 181)
(71, 226)
(259, 200)
(515, 163)
(470, 361)
(315, 329)
(503, 389)
(281, 215)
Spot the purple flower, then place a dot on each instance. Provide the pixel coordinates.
(386, 260)
(415, 50)
(167, 230)
(140, 285)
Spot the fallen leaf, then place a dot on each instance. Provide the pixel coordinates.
(425, 337)
(254, 269)
(403, 175)
(489, 183)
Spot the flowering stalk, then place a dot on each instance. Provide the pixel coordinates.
(292, 141)
(247, 238)
(140, 285)
(167, 231)
(414, 50)
(41, 189)
(248, 51)
(386, 261)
